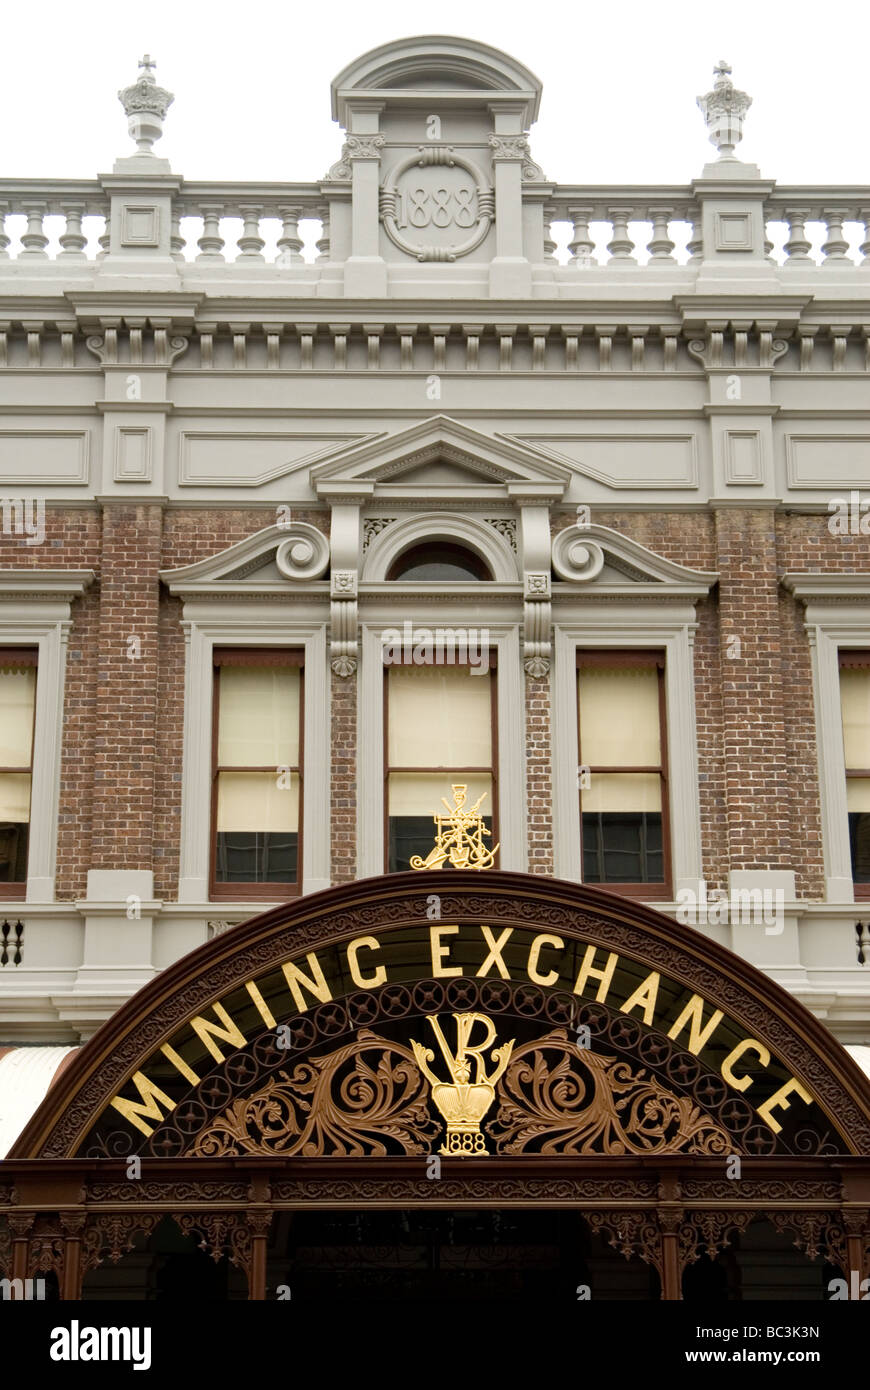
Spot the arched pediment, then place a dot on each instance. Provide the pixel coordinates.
(445, 64)
(351, 987)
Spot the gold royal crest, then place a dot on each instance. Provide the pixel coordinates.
(461, 1101)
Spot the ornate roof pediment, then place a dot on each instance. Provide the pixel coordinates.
(440, 458)
(613, 564)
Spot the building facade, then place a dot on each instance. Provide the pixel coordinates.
(372, 555)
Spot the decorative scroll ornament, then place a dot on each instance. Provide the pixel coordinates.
(513, 147)
(557, 1098)
(303, 553)
(436, 203)
(463, 1102)
(575, 557)
(355, 147)
(349, 1103)
(145, 105)
(459, 836)
(724, 110)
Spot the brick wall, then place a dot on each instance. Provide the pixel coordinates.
(123, 718)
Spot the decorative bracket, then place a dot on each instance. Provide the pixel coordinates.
(343, 622)
(537, 614)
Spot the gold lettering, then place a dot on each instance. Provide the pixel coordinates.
(138, 1111)
(693, 1014)
(262, 1007)
(316, 985)
(588, 971)
(741, 1082)
(441, 950)
(371, 943)
(207, 1031)
(496, 948)
(779, 1101)
(545, 939)
(645, 994)
(180, 1065)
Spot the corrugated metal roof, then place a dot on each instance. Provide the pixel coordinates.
(26, 1073)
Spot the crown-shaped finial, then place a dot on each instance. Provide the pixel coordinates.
(724, 109)
(145, 105)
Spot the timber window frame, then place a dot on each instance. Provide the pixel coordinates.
(504, 646)
(35, 612)
(849, 658)
(224, 658)
(449, 772)
(837, 618)
(629, 626)
(213, 623)
(24, 658)
(628, 660)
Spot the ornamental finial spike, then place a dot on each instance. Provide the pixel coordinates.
(724, 109)
(145, 105)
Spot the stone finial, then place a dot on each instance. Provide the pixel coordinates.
(145, 105)
(724, 110)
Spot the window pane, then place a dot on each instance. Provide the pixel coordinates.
(622, 791)
(15, 797)
(17, 694)
(14, 828)
(619, 716)
(439, 717)
(414, 799)
(258, 824)
(622, 847)
(855, 702)
(254, 801)
(259, 716)
(859, 845)
(858, 793)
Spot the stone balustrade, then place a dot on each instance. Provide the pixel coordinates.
(286, 225)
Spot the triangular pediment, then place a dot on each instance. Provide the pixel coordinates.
(440, 457)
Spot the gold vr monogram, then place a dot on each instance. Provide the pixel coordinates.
(542, 958)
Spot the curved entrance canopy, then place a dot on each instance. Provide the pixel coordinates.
(459, 1014)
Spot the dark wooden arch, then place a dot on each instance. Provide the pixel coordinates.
(397, 901)
(58, 1207)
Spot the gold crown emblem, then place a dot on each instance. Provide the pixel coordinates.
(461, 1101)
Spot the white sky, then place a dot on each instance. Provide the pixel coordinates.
(251, 82)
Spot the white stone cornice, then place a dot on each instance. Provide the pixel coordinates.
(61, 585)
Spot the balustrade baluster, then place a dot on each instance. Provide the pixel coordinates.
(798, 247)
(105, 241)
(211, 243)
(290, 242)
(836, 248)
(322, 243)
(73, 240)
(549, 243)
(581, 244)
(250, 243)
(660, 246)
(34, 239)
(177, 242)
(4, 238)
(695, 244)
(620, 245)
(864, 248)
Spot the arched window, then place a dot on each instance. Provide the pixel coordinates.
(437, 560)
